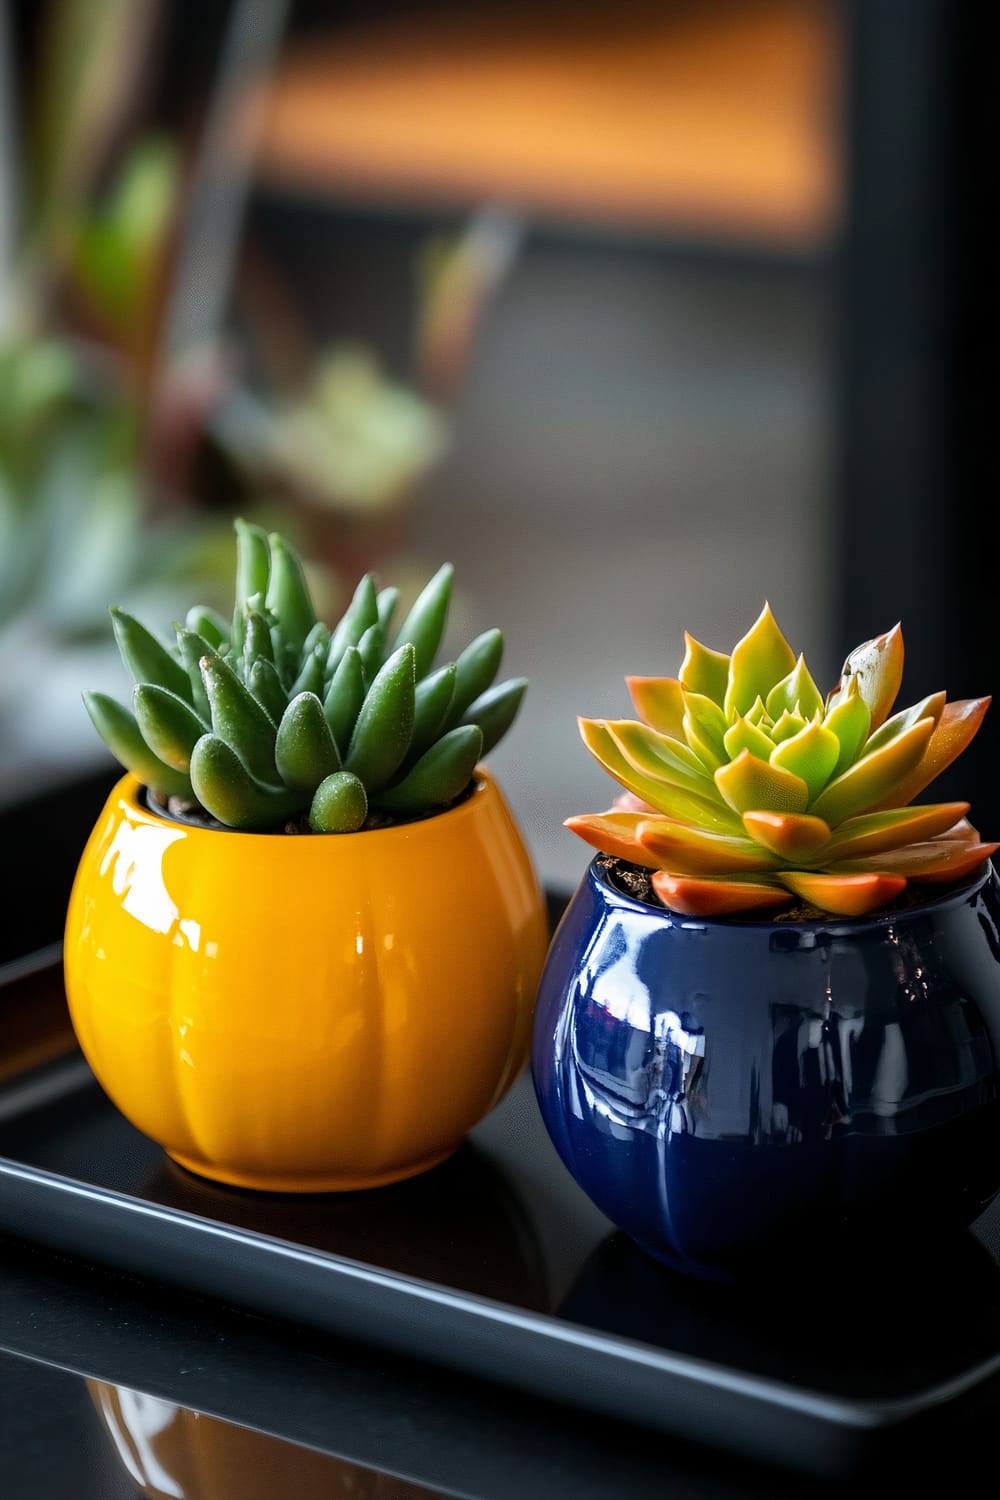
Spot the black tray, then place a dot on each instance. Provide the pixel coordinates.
(496, 1265)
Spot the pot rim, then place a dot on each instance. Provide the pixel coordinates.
(131, 788)
(952, 894)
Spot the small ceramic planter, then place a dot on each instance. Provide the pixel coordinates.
(735, 1093)
(308, 1013)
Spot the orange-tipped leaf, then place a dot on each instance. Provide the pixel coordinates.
(791, 836)
(877, 669)
(865, 787)
(847, 895)
(716, 898)
(613, 833)
(937, 859)
(873, 833)
(691, 851)
(659, 702)
(954, 731)
(675, 801)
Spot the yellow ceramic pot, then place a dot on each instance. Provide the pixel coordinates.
(305, 1013)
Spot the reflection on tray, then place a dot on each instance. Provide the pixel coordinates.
(174, 1453)
(461, 1223)
(849, 1325)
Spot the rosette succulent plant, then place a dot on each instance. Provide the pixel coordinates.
(273, 719)
(745, 788)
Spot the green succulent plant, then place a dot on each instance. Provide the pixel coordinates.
(273, 718)
(745, 788)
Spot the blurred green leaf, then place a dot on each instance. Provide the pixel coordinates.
(89, 67)
(117, 251)
(352, 439)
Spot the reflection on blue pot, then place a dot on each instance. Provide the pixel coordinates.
(732, 1092)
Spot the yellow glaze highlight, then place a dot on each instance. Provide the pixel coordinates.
(305, 1013)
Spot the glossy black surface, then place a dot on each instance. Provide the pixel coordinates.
(48, 831)
(733, 1093)
(71, 1323)
(497, 1268)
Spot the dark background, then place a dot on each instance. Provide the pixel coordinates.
(889, 330)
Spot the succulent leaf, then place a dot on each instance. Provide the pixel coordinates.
(615, 833)
(787, 725)
(704, 671)
(238, 719)
(312, 673)
(952, 734)
(876, 667)
(742, 735)
(692, 851)
(253, 561)
(660, 794)
(863, 786)
(440, 774)
(928, 708)
(385, 602)
(226, 789)
(743, 787)
(873, 833)
(170, 727)
(371, 650)
(475, 669)
(494, 711)
(339, 805)
(191, 647)
(424, 625)
(659, 755)
(146, 658)
(207, 622)
(936, 859)
(762, 658)
(384, 724)
(810, 754)
(846, 895)
(693, 897)
(287, 594)
(659, 702)
(344, 697)
(969, 858)
(796, 693)
(253, 568)
(257, 641)
(850, 720)
(704, 727)
(120, 731)
(305, 752)
(360, 615)
(432, 697)
(747, 783)
(794, 837)
(266, 686)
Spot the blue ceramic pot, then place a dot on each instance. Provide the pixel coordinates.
(731, 1093)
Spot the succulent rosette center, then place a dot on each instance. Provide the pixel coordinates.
(745, 787)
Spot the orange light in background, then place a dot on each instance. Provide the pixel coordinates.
(717, 119)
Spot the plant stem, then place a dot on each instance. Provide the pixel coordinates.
(221, 180)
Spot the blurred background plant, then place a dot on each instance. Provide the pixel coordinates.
(156, 379)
